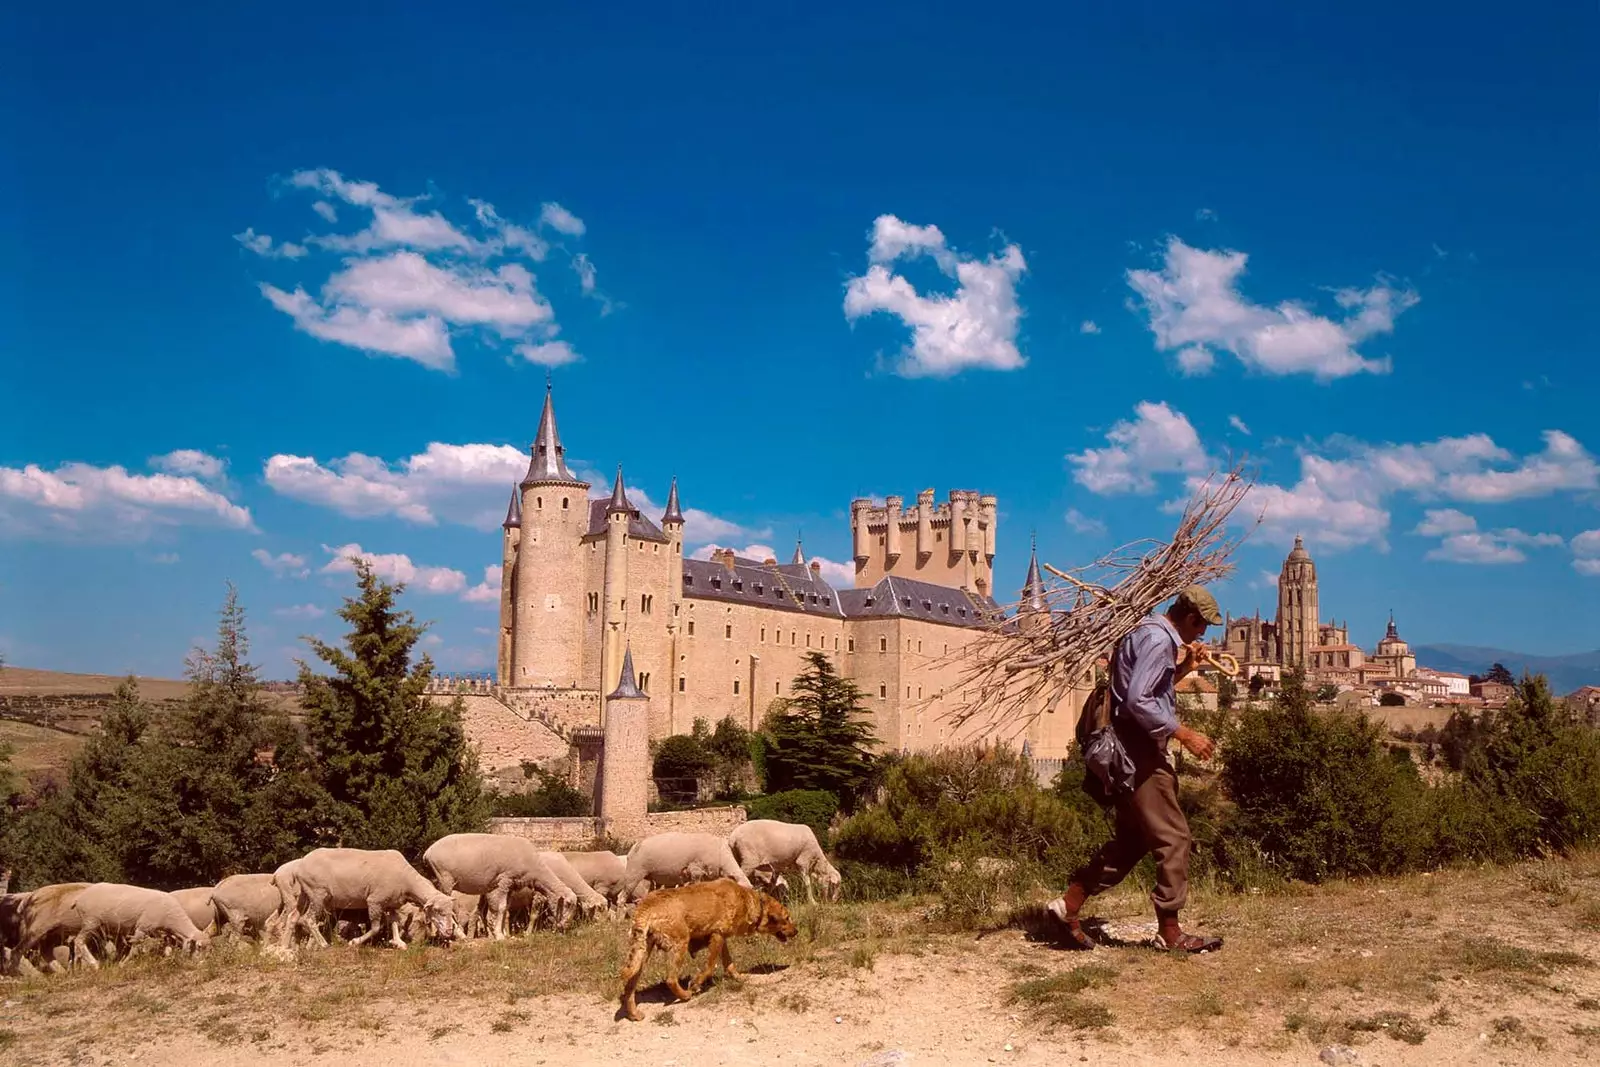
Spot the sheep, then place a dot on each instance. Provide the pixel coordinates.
(675, 858)
(45, 921)
(469, 914)
(245, 902)
(326, 881)
(602, 870)
(493, 865)
(590, 903)
(106, 909)
(784, 847)
(197, 904)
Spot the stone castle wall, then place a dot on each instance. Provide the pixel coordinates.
(504, 738)
(579, 834)
(562, 708)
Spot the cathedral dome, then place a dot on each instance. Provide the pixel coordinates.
(1298, 553)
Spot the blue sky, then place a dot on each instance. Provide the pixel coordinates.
(280, 281)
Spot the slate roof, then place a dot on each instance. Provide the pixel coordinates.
(790, 587)
(912, 599)
(638, 526)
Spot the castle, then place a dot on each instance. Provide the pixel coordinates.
(589, 584)
(1298, 639)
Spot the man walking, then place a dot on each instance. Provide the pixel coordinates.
(1145, 668)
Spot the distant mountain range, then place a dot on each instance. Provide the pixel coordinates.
(1565, 673)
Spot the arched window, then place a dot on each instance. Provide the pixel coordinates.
(538, 502)
(563, 503)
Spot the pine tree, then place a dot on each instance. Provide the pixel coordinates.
(396, 766)
(817, 739)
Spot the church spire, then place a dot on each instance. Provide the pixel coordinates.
(548, 462)
(627, 686)
(799, 554)
(1392, 632)
(513, 511)
(1033, 588)
(673, 514)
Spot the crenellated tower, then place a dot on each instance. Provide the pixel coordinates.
(546, 576)
(950, 544)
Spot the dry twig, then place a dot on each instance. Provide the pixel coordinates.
(1031, 658)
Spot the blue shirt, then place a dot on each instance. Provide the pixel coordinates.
(1142, 676)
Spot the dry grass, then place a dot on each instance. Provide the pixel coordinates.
(1420, 959)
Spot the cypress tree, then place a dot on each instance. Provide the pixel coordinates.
(818, 740)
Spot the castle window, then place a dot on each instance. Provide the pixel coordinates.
(716, 583)
(836, 644)
(919, 646)
(736, 687)
(777, 637)
(647, 604)
(655, 550)
(758, 589)
(777, 688)
(691, 627)
(808, 640)
(850, 645)
(794, 636)
(563, 503)
(947, 649)
(883, 644)
(945, 608)
(908, 644)
(538, 502)
(688, 579)
(908, 692)
(738, 585)
(727, 631)
(594, 602)
(644, 681)
(883, 691)
(682, 683)
(763, 635)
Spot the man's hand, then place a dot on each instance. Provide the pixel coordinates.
(1190, 657)
(1196, 742)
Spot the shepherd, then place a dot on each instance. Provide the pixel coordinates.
(1145, 667)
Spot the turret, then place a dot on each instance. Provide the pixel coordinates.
(614, 587)
(958, 522)
(625, 757)
(511, 532)
(860, 535)
(552, 515)
(799, 557)
(924, 524)
(1033, 588)
(891, 547)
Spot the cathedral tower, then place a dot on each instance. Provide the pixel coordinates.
(1297, 607)
(547, 579)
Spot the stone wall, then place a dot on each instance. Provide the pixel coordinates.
(720, 821)
(563, 709)
(504, 738)
(578, 834)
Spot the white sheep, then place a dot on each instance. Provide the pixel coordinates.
(494, 866)
(132, 913)
(245, 903)
(198, 905)
(675, 858)
(590, 903)
(603, 871)
(43, 921)
(326, 881)
(784, 847)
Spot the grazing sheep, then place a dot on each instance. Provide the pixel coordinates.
(469, 914)
(45, 921)
(116, 912)
(678, 857)
(602, 870)
(590, 903)
(493, 865)
(245, 903)
(785, 847)
(197, 904)
(326, 881)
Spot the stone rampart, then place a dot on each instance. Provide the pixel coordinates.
(562, 835)
(560, 709)
(504, 738)
(696, 820)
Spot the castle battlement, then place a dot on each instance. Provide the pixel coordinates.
(950, 543)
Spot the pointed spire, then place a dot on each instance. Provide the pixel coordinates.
(1392, 632)
(799, 554)
(513, 510)
(627, 687)
(672, 513)
(548, 462)
(619, 495)
(1033, 588)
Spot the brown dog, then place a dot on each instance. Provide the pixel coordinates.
(678, 921)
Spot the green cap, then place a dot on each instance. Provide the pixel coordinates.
(1203, 602)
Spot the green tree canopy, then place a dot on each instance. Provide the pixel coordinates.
(396, 766)
(817, 739)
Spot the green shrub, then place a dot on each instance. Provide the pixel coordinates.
(553, 799)
(813, 807)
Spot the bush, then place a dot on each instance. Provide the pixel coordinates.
(813, 807)
(681, 756)
(553, 799)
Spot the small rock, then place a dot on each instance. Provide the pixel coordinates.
(1339, 1056)
(1366, 953)
(838, 1018)
(1008, 1046)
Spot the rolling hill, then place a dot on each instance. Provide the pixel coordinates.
(1565, 673)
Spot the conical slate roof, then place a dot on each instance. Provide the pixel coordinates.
(1033, 588)
(672, 512)
(548, 462)
(799, 557)
(619, 495)
(627, 688)
(513, 510)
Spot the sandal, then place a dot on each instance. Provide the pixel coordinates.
(1074, 936)
(1194, 943)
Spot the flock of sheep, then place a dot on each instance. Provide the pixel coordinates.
(483, 883)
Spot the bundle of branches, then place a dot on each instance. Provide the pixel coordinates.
(1029, 659)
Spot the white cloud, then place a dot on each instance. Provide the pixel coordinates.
(1331, 522)
(1265, 580)
(757, 552)
(838, 575)
(1586, 553)
(299, 611)
(1205, 214)
(415, 282)
(1089, 326)
(82, 501)
(462, 483)
(396, 567)
(976, 326)
(285, 564)
(561, 220)
(486, 591)
(262, 245)
(1194, 304)
(207, 468)
(1563, 465)
(1238, 424)
(1463, 542)
(1084, 524)
(1158, 440)
(165, 558)
(1195, 361)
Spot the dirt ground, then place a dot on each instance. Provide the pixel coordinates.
(1493, 966)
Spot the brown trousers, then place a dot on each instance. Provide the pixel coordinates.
(1148, 820)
